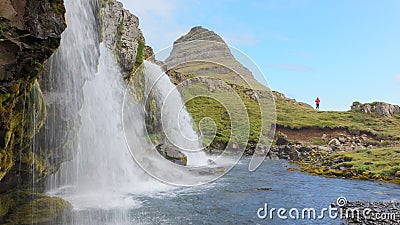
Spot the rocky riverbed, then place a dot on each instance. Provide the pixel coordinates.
(374, 213)
(340, 160)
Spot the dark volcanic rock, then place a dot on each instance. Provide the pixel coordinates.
(30, 31)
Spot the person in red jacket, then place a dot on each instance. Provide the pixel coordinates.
(317, 101)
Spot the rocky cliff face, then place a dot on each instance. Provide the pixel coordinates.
(121, 34)
(380, 108)
(30, 31)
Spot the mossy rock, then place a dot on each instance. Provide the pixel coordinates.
(58, 6)
(43, 209)
(396, 180)
(6, 203)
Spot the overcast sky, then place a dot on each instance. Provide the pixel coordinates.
(341, 51)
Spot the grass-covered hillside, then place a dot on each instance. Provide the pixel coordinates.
(235, 110)
(296, 115)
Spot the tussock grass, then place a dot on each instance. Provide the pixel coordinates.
(382, 161)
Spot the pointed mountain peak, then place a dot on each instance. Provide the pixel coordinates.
(200, 33)
(210, 54)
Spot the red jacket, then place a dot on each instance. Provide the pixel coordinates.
(317, 101)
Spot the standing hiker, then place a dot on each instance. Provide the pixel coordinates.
(317, 101)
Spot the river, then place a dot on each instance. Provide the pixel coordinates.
(236, 198)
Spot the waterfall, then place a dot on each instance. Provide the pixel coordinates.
(102, 172)
(176, 121)
(93, 117)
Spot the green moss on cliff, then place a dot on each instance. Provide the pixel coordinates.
(22, 107)
(6, 203)
(137, 76)
(120, 32)
(137, 84)
(140, 54)
(24, 115)
(3, 98)
(58, 6)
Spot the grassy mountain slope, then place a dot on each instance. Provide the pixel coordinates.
(214, 60)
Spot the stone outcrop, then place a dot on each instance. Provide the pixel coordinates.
(380, 108)
(121, 34)
(297, 152)
(30, 31)
(291, 101)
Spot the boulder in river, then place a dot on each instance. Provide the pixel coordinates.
(172, 154)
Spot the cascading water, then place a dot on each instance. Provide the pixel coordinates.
(103, 172)
(176, 121)
(85, 86)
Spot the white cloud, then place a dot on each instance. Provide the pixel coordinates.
(157, 20)
(397, 77)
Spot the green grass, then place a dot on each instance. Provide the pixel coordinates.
(382, 161)
(237, 117)
(294, 115)
(319, 141)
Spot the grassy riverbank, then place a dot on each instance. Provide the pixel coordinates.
(381, 164)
